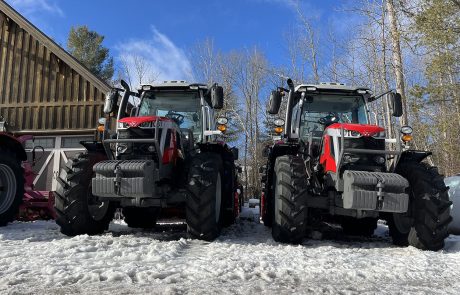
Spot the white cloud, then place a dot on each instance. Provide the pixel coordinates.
(161, 58)
(31, 7)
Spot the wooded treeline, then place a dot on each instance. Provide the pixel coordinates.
(410, 46)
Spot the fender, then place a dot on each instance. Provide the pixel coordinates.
(93, 146)
(414, 156)
(12, 143)
(218, 147)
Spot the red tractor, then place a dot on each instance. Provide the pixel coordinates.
(164, 154)
(18, 198)
(333, 164)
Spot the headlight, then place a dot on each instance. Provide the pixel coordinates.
(279, 122)
(351, 133)
(381, 134)
(122, 125)
(349, 158)
(379, 159)
(355, 133)
(222, 120)
(122, 148)
(406, 130)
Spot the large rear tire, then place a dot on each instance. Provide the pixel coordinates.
(290, 199)
(77, 210)
(11, 186)
(426, 224)
(141, 217)
(204, 203)
(363, 227)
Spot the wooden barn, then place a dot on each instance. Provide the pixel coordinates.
(45, 92)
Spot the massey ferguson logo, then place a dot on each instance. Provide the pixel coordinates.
(146, 122)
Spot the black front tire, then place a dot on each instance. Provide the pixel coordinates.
(426, 224)
(204, 203)
(77, 210)
(141, 217)
(290, 199)
(12, 183)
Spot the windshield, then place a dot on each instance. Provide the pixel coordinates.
(182, 107)
(348, 109)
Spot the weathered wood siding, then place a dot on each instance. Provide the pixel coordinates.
(38, 90)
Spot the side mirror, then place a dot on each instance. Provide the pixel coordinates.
(235, 153)
(274, 102)
(111, 101)
(124, 85)
(396, 103)
(217, 97)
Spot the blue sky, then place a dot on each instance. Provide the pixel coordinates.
(168, 29)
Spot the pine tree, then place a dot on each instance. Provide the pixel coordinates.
(86, 46)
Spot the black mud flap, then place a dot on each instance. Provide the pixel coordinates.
(93, 146)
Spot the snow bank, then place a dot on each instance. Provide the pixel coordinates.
(36, 258)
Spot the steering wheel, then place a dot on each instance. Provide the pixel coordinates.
(176, 117)
(330, 119)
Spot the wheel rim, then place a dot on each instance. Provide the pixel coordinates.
(402, 222)
(8, 187)
(97, 209)
(218, 196)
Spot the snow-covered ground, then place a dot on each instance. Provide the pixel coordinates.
(36, 259)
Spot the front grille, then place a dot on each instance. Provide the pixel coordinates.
(368, 143)
(138, 133)
(366, 162)
(138, 150)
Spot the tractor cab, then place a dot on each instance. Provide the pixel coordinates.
(163, 121)
(332, 119)
(333, 122)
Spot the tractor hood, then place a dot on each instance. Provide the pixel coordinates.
(363, 129)
(137, 121)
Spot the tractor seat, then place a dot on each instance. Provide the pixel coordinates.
(317, 134)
